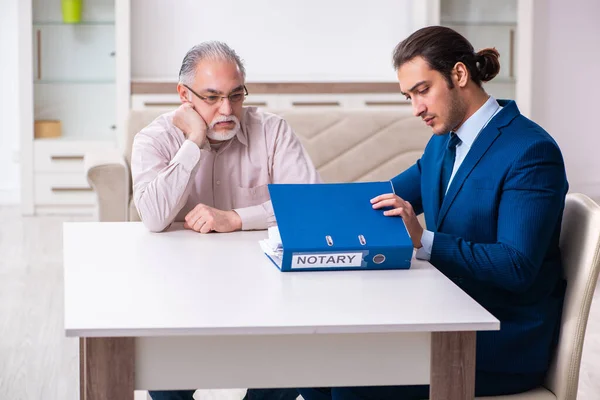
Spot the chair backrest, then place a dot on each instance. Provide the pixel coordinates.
(580, 248)
(136, 121)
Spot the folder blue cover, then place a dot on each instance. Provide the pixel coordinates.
(332, 226)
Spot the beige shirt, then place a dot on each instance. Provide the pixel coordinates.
(171, 175)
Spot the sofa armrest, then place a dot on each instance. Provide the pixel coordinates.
(108, 175)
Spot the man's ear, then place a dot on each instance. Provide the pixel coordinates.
(461, 74)
(184, 93)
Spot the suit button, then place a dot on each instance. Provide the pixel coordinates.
(218, 182)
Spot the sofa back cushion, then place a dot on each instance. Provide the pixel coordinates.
(346, 145)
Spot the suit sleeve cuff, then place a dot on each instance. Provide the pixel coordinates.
(424, 253)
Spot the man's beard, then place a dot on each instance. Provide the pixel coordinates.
(223, 135)
(456, 112)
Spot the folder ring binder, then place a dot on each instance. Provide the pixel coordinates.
(379, 258)
(329, 240)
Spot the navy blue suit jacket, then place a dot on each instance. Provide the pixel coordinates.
(497, 234)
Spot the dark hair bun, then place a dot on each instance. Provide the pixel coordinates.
(488, 64)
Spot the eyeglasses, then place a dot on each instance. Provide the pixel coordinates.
(234, 98)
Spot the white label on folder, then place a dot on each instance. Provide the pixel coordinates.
(326, 260)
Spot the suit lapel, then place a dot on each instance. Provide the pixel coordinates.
(481, 145)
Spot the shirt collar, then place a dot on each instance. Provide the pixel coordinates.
(470, 129)
(242, 135)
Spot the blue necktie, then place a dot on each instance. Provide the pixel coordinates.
(448, 163)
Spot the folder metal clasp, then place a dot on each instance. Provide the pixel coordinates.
(362, 240)
(329, 240)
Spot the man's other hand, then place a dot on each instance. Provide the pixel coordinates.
(205, 219)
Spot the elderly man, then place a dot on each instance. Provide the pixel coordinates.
(208, 163)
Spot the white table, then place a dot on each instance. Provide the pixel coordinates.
(179, 310)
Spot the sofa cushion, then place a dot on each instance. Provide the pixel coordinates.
(359, 145)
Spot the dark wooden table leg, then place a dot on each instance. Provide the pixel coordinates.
(106, 368)
(452, 366)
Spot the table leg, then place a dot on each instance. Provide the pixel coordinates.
(452, 365)
(106, 368)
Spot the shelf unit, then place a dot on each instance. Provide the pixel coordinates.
(80, 77)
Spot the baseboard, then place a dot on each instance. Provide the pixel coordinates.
(9, 196)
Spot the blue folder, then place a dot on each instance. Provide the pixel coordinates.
(332, 226)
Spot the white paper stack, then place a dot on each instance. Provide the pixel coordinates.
(272, 246)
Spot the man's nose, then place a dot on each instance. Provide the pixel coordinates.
(418, 108)
(225, 107)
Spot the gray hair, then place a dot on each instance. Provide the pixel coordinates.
(212, 50)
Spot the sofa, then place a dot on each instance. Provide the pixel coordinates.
(346, 145)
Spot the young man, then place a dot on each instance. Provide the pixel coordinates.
(208, 163)
(492, 186)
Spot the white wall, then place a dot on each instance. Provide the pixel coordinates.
(566, 85)
(283, 43)
(310, 40)
(9, 116)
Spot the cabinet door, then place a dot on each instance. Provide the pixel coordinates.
(487, 23)
(502, 37)
(479, 11)
(74, 53)
(86, 111)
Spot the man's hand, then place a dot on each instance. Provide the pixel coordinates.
(205, 219)
(403, 209)
(191, 123)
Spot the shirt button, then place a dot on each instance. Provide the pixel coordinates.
(218, 182)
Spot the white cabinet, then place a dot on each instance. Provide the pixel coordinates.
(56, 156)
(80, 77)
(60, 185)
(59, 182)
